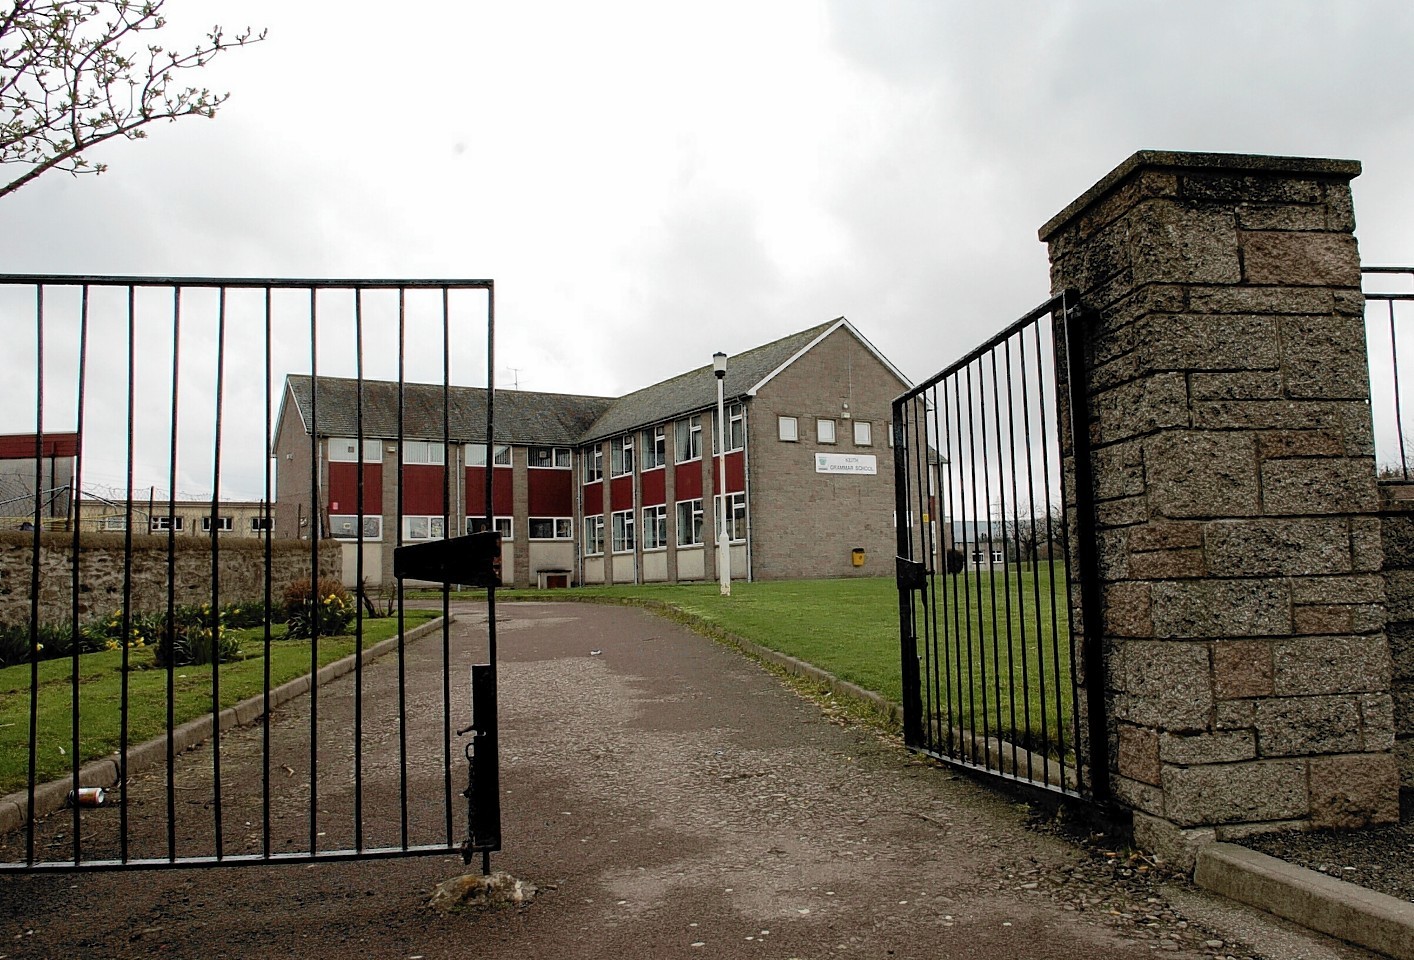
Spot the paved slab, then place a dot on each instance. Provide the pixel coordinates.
(671, 799)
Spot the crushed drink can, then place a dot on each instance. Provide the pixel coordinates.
(88, 797)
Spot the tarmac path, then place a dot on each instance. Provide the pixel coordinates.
(669, 797)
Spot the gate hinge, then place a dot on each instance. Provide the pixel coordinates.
(911, 574)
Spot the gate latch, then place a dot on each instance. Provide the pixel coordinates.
(483, 787)
(911, 574)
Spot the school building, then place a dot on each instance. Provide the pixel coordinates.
(589, 490)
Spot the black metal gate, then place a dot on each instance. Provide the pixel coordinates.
(170, 456)
(992, 553)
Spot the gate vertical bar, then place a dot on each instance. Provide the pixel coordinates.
(908, 639)
(316, 522)
(267, 533)
(359, 457)
(214, 622)
(76, 826)
(34, 569)
(1088, 574)
(169, 630)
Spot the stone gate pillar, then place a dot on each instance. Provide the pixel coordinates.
(1247, 669)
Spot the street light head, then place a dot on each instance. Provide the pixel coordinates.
(719, 364)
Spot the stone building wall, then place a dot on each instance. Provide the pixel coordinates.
(101, 573)
(1248, 675)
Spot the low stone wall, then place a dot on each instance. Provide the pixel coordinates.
(101, 566)
(1397, 529)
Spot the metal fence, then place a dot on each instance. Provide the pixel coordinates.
(1389, 335)
(990, 644)
(171, 388)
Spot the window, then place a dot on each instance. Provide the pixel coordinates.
(476, 455)
(165, 523)
(655, 527)
(689, 523)
(621, 455)
(550, 458)
(425, 451)
(423, 528)
(736, 516)
(341, 450)
(688, 439)
(735, 428)
(115, 523)
(223, 524)
(551, 528)
(594, 464)
(345, 527)
(996, 556)
(594, 534)
(787, 429)
(654, 448)
(863, 433)
(825, 430)
(261, 524)
(623, 531)
(478, 525)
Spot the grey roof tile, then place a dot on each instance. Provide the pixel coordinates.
(551, 419)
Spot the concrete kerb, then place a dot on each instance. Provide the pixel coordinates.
(52, 796)
(1333, 907)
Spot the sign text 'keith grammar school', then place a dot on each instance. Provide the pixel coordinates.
(858, 463)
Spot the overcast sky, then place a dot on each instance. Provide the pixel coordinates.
(647, 183)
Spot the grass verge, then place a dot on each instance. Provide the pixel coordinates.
(101, 687)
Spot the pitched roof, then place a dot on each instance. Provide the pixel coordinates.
(552, 419)
(697, 389)
(522, 416)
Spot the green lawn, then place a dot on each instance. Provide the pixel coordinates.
(100, 696)
(850, 629)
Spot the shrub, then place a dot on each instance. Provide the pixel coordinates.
(329, 609)
(190, 641)
(250, 613)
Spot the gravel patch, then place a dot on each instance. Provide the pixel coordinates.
(1379, 858)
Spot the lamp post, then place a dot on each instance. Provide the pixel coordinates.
(724, 557)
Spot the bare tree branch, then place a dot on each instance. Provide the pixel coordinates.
(77, 73)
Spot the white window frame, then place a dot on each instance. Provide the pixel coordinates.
(432, 453)
(825, 429)
(788, 429)
(736, 426)
(161, 524)
(434, 527)
(594, 535)
(863, 433)
(621, 456)
(655, 449)
(687, 438)
(692, 529)
(736, 516)
(562, 528)
(655, 527)
(505, 525)
(476, 455)
(559, 458)
(372, 527)
(261, 524)
(594, 464)
(224, 524)
(341, 450)
(118, 523)
(623, 533)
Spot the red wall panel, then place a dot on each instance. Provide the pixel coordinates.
(736, 472)
(502, 491)
(621, 495)
(551, 493)
(343, 488)
(593, 498)
(422, 490)
(688, 481)
(653, 488)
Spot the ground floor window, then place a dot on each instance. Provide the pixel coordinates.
(222, 523)
(345, 527)
(736, 516)
(551, 528)
(423, 528)
(262, 523)
(165, 523)
(689, 522)
(655, 527)
(593, 534)
(623, 531)
(503, 526)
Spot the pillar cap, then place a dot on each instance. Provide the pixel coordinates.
(1208, 162)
